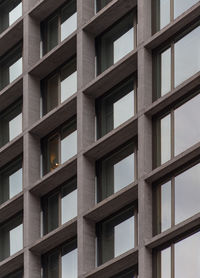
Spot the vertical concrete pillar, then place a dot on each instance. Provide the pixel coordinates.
(144, 138)
(86, 135)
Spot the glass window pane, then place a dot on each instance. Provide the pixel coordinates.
(52, 33)
(51, 265)
(181, 6)
(187, 257)
(15, 183)
(15, 127)
(165, 139)
(187, 56)
(164, 13)
(16, 239)
(15, 70)
(69, 202)
(187, 131)
(166, 263)
(68, 20)
(187, 192)
(124, 172)
(123, 109)
(166, 72)
(100, 4)
(15, 14)
(53, 161)
(68, 80)
(69, 146)
(125, 231)
(52, 213)
(69, 264)
(52, 93)
(165, 206)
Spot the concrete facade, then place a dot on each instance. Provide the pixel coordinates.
(82, 104)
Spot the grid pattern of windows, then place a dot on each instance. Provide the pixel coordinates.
(99, 138)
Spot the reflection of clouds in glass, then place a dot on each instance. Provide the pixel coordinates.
(16, 239)
(166, 263)
(187, 56)
(15, 14)
(165, 71)
(181, 6)
(69, 264)
(68, 86)
(15, 183)
(68, 26)
(15, 127)
(123, 45)
(164, 13)
(15, 70)
(187, 257)
(187, 127)
(165, 206)
(165, 139)
(69, 146)
(187, 192)
(69, 206)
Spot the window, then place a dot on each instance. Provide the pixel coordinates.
(115, 171)
(177, 199)
(59, 26)
(59, 146)
(128, 273)
(10, 123)
(177, 62)
(59, 86)
(180, 259)
(11, 237)
(100, 4)
(168, 10)
(61, 262)
(116, 42)
(115, 107)
(16, 274)
(10, 11)
(10, 180)
(178, 130)
(10, 66)
(110, 233)
(59, 206)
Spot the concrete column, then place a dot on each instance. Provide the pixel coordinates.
(144, 139)
(86, 135)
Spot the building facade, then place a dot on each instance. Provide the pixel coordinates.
(99, 138)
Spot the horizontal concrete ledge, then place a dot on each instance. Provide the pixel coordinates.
(173, 164)
(113, 203)
(11, 93)
(55, 118)
(55, 58)
(11, 264)
(116, 265)
(112, 76)
(113, 139)
(11, 36)
(108, 15)
(171, 29)
(55, 238)
(175, 232)
(55, 178)
(191, 84)
(11, 150)
(11, 207)
(44, 8)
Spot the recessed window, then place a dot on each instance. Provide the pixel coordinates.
(171, 209)
(16, 274)
(100, 4)
(178, 130)
(59, 26)
(116, 42)
(61, 262)
(60, 146)
(11, 237)
(10, 66)
(115, 171)
(10, 11)
(10, 123)
(59, 86)
(168, 10)
(180, 259)
(59, 206)
(177, 63)
(110, 233)
(10, 180)
(115, 107)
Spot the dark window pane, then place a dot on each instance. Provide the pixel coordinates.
(10, 66)
(51, 154)
(110, 234)
(100, 4)
(130, 273)
(115, 172)
(16, 274)
(51, 265)
(52, 93)
(115, 43)
(10, 180)
(68, 19)
(49, 32)
(10, 11)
